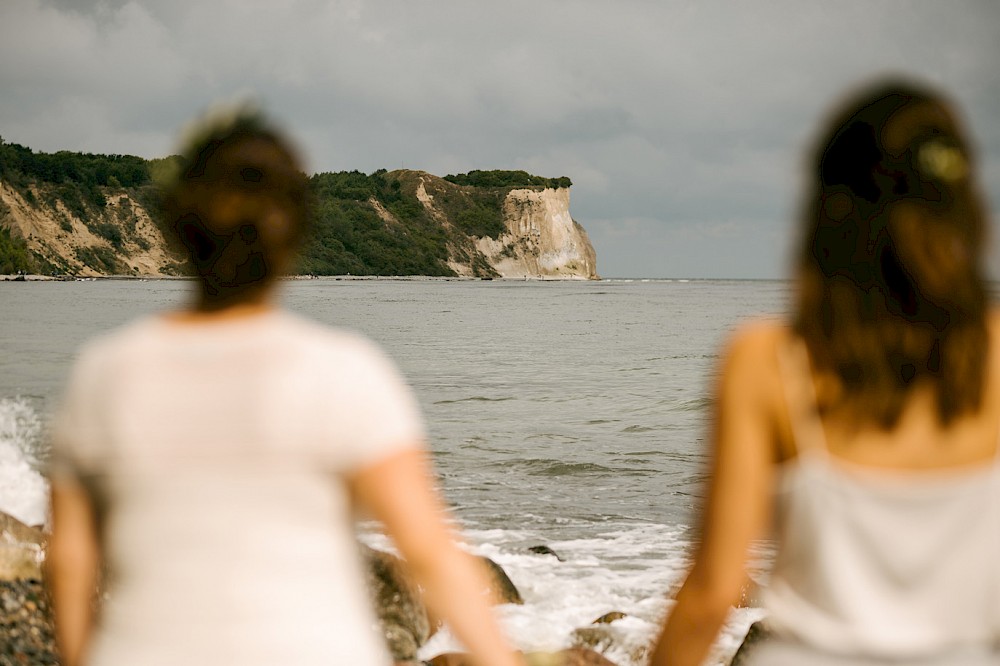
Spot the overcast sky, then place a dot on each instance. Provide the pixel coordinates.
(684, 125)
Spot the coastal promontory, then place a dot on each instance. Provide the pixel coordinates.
(82, 214)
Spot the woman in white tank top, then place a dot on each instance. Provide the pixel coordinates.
(865, 433)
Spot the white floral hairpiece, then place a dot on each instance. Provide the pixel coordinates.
(942, 161)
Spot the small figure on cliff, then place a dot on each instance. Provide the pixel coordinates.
(210, 460)
(868, 425)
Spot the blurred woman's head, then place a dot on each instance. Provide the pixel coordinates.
(238, 207)
(891, 288)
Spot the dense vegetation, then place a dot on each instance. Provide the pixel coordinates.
(14, 255)
(361, 225)
(80, 177)
(498, 178)
(349, 236)
(79, 181)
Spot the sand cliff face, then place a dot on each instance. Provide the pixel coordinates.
(121, 238)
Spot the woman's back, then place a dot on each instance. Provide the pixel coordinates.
(888, 541)
(917, 441)
(222, 450)
(864, 435)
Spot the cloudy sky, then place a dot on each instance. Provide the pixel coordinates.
(683, 124)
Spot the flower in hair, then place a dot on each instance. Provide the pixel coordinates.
(942, 161)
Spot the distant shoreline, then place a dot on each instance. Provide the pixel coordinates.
(395, 278)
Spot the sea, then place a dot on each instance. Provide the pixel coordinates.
(566, 414)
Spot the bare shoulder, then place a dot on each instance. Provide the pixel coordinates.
(993, 323)
(756, 341)
(750, 389)
(749, 372)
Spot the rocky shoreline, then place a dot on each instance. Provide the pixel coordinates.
(33, 277)
(26, 624)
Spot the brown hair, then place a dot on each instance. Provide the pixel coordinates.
(891, 291)
(238, 207)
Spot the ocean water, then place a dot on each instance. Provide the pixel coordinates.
(565, 414)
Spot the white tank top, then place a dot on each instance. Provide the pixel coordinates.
(880, 563)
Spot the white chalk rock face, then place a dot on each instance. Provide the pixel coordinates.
(542, 239)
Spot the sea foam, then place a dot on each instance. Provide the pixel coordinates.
(630, 568)
(23, 489)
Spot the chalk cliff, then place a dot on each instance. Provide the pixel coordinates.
(539, 237)
(542, 238)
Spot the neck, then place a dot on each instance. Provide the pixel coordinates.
(200, 310)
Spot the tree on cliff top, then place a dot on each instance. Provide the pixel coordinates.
(500, 178)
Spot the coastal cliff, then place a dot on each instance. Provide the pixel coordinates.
(542, 238)
(93, 215)
(537, 237)
(119, 238)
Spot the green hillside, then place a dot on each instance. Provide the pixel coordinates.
(362, 224)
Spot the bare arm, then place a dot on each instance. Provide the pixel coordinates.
(738, 503)
(399, 492)
(71, 567)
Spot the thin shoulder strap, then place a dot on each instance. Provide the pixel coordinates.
(800, 394)
(996, 453)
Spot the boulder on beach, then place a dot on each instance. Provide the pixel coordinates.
(569, 657)
(26, 633)
(576, 656)
(26, 623)
(398, 604)
(545, 550)
(608, 618)
(406, 622)
(757, 632)
(601, 638)
(502, 589)
(22, 550)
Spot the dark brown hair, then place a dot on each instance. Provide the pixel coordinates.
(891, 289)
(238, 207)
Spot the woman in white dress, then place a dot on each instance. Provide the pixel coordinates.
(864, 431)
(210, 460)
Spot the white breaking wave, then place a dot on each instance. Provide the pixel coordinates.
(23, 490)
(628, 568)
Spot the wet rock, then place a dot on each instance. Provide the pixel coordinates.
(601, 638)
(398, 604)
(406, 623)
(608, 618)
(502, 588)
(580, 657)
(594, 637)
(22, 550)
(569, 657)
(757, 632)
(545, 550)
(450, 659)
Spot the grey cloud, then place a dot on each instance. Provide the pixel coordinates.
(691, 117)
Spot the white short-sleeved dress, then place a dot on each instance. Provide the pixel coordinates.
(216, 453)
